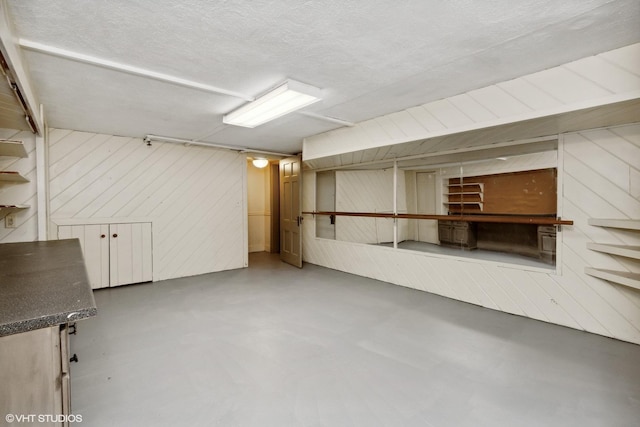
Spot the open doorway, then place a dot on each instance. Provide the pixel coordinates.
(263, 207)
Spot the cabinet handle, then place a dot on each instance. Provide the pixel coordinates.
(115, 234)
(102, 236)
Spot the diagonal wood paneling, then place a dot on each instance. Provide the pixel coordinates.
(543, 103)
(597, 172)
(192, 195)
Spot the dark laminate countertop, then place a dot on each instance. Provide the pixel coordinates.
(43, 284)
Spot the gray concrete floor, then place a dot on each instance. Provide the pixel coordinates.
(272, 345)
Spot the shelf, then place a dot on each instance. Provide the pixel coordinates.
(621, 250)
(463, 203)
(465, 184)
(12, 149)
(7, 209)
(10, 176)
(456, 202)
(629, 224)
(625, 278)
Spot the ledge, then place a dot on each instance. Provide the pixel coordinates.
(504, 219)
(631, 280)
(628, 224)
(43, 284)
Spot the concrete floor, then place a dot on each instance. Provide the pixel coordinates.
(272, 345)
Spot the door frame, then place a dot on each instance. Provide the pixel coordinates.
(291, 210)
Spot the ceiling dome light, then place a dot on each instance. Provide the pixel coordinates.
(260, 163)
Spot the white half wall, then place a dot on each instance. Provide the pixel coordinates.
(193, 196)
(599, 177)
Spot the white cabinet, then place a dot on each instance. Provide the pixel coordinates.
(115, 254)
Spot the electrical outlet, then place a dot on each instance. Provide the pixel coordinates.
(10, 221)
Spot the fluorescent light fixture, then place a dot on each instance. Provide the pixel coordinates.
(286, 98)
(260, 163)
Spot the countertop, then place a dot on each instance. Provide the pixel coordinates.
(43, 284)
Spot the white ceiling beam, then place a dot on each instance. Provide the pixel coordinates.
(327, 118)
(125, 68)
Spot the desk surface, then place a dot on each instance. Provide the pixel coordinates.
(43, 284)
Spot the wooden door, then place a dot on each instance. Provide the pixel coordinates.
(94, 242)
(426, 204)
(290, 211)
(130, 253)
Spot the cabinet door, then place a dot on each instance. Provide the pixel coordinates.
(95, 249)
(130, 253)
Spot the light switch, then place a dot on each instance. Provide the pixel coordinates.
(10, 221)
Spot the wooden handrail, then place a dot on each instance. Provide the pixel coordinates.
(505, 219)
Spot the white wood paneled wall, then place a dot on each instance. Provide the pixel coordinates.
(599, 176)
(194, 196)
(20, 193)
(609, 77)
(368, 191)
(259, 208)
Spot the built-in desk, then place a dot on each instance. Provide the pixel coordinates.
(43, 287)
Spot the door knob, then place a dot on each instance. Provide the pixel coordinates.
(102, 236)
(115, 234)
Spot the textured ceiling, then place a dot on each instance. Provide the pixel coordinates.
(370, 57)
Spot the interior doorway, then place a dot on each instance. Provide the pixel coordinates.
(263, 207)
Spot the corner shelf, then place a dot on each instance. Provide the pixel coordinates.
(625, 278)
(11, 176)
(12, 149)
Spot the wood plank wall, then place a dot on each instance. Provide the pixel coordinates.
(20, 193)
(194, 196)
(599, 174)
(597, 80)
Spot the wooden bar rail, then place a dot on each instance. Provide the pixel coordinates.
(505, 219)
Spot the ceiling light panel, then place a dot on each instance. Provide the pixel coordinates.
(286, 98)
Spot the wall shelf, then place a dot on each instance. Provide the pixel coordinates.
(621, 250)
(8, 209)
(11, 176)
(470, 195)
(625, 278)
(629, 224)
(12, 149)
